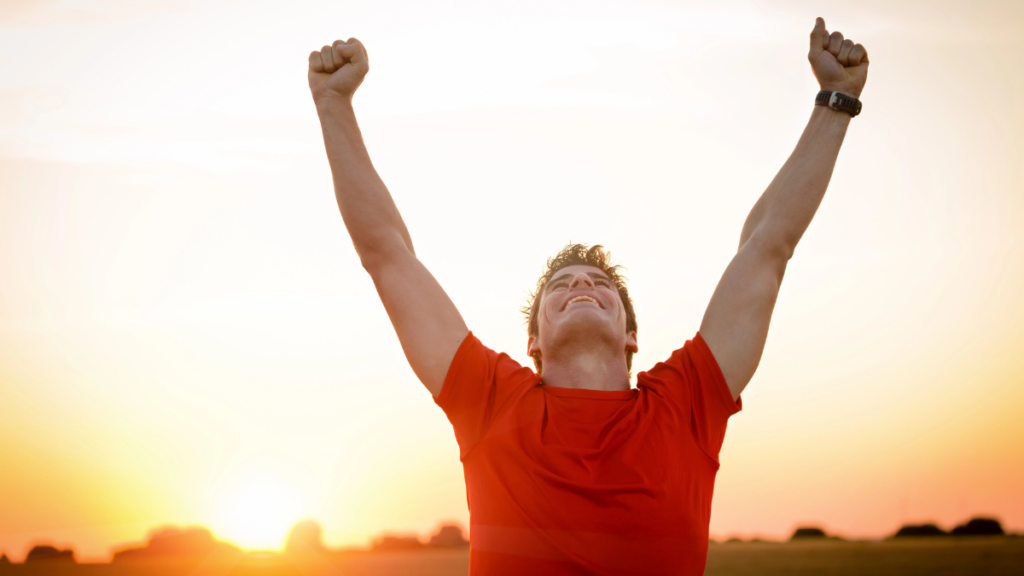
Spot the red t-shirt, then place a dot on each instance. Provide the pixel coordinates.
(568, 481)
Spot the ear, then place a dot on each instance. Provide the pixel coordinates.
(631, 342)
(532, 346)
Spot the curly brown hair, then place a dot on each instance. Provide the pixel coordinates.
(580, 254)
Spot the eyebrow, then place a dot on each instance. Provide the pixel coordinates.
(597, 275)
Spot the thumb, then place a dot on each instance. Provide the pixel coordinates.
(818, 37)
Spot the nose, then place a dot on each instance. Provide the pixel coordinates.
(581, 282)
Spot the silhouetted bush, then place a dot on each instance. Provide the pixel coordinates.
(306, 537)
(449, 536)
(4, 559)
(979, 527)
(395, 543)
(50, 554)
(920, 530)
(808, 532)
(173, 543)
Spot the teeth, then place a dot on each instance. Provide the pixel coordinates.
(582, 299)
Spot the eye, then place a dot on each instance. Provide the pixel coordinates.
(603, 282)
(559, 284)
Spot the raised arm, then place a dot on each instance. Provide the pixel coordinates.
(735, 325)
(429, 326)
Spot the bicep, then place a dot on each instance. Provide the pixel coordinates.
(428, 324)
(735, 325)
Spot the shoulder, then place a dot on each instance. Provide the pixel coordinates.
(689, 366)
(478, 367)
(680, 362)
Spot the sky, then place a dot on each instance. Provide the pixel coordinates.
(187, 337)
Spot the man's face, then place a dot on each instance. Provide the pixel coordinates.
(581, 304)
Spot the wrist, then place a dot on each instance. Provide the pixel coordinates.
(831, 116)
(330, 104)
(837, 100)
(844, 89)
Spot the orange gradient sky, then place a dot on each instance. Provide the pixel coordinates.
(186, 335)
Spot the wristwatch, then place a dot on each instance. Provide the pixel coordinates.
(838, 101)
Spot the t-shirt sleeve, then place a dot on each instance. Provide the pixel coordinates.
(693, 381)
(480, 384)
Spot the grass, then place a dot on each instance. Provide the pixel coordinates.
(943, 556)
(947, 556)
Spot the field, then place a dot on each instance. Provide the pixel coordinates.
(993, 556)
(933, 556)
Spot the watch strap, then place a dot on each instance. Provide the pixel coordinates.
(838, 101)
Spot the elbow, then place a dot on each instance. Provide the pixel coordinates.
(772, 244)
(784, 248)
(380, 252)
(373, 259)
(774, 253)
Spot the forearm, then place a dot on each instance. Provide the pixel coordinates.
(785, 209)
(369, 212)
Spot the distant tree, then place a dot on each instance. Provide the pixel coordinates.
(50, 554)
(920, 530)
(979, 527)
(449, 536)
(306, 537)
(808, 532)
(395, 543)
(4, 559)
(173, 544)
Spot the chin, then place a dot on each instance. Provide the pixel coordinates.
(587, 327)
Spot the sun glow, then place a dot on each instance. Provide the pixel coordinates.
(258, 513)
(187, 336)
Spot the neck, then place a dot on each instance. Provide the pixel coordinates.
(588, 370)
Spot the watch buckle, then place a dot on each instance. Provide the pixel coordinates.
(832, 100)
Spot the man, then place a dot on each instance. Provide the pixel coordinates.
(569, 470)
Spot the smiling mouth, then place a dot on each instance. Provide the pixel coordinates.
(581, 299)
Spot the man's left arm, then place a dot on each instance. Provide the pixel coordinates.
(735, 325)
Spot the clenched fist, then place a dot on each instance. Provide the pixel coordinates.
(838, 64)
(337, 70)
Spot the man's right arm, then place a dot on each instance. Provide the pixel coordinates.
(428, 325)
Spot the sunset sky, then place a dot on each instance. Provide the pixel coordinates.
(187, 337)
